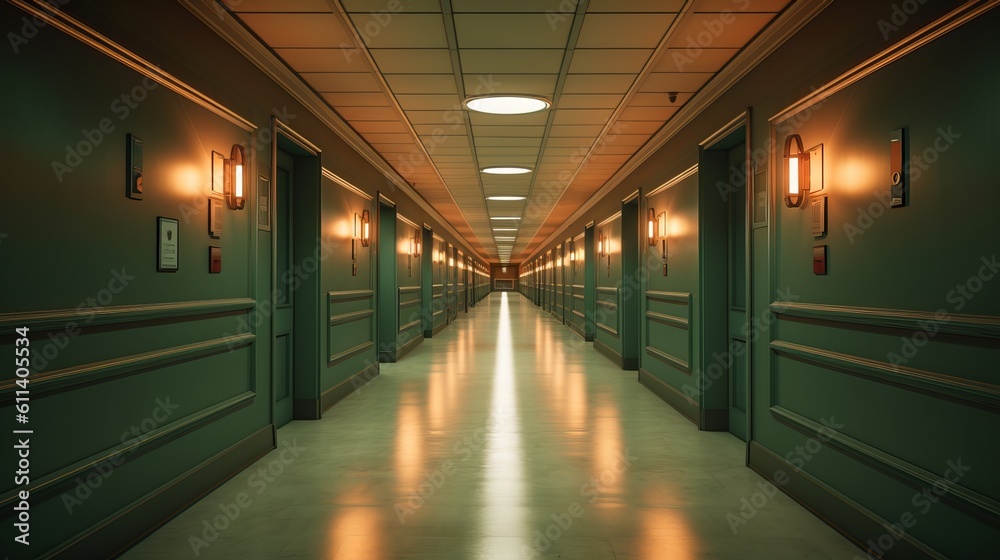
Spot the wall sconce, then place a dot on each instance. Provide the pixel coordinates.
(600, 243)
(796, 171)
(451, 261)
(235, 173)
(572, 252)
(651, 227)
(363, 228)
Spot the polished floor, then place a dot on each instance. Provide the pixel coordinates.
(505, 437)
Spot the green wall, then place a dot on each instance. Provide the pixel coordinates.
(183, 357)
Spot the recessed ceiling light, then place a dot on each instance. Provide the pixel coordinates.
(504, 229)
(507, 104)
(504, 198)
(505, 170)
(505, 217)
(504, 238)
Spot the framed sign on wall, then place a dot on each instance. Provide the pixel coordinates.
(167, 244)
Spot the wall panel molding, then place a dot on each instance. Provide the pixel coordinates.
(45, 383)
(979, 326)
(970, 392)
(91, 317)
(888, 463)
(80, 31)
(52, 482)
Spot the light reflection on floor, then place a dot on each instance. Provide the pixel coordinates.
(504, 437)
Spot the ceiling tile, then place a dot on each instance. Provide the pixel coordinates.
(694, 59)
(637, 5)
(609, 61)
(532, 84)
(541, 6)
(429, 102)
(241, 6)
(391, 8)
(378, 126)
(510, 131)
(341, 83)
(368, 113)
(530, 119)
(719, 30)
(511, 61)
(598, 83)
(576, 130)
(413, 61)
(639, 127)
(584, 101)
(658, 114)
(740, 5)
(582, 116)
(492, 31)
(357, 99)
(299, 30)
(658, 99)
(401, 31)
(674, 81)
(455, 120)
(324, 60)
(619, 31)
(421, 83)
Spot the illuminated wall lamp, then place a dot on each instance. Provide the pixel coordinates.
(235, 173)
(651, 228)
(796, 171)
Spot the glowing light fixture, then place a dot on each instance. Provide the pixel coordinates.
(504, 229)
(505, 170)
(651, 229)
(235, 195)
(796, 171)
(505, 217)
(507, 104)
(505, 198)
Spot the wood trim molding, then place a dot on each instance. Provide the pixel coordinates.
(327, 174)
(92, 317)
(978, 326)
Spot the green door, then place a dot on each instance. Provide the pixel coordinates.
(284, 318)
(737, 338)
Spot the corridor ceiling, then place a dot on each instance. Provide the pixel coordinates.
(397, 71)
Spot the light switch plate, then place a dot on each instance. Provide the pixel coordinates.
(133, 175)
(817, 207)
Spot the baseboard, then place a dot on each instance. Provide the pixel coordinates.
(123, 530)
(439, 328)
(855, 522)
(306, 409)
(679, 401)
(408, 347)
(714, 420)
(338, 392)
(576, 329)
(609, 352)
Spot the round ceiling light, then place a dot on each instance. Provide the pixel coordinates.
(507, 104)
(506, 170)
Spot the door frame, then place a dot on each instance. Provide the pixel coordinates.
(385, 251)
(708, 191)
(307, 338)
(631, 290)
